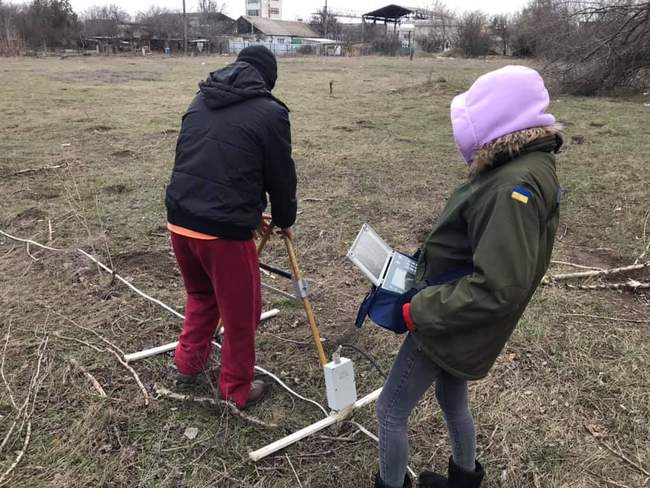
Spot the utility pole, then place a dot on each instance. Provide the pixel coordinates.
(326, 19)
(184, 29)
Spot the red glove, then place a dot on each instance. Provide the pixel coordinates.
(406, 313)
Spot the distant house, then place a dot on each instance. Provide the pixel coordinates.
(281, 36)
(210, 24)
(206, 32)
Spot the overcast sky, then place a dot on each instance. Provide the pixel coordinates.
(294, 9)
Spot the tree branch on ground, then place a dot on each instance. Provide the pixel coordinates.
(164, 392)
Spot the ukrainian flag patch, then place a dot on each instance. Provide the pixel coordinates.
(520, 194)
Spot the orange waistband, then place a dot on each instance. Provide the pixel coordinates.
(182, 231)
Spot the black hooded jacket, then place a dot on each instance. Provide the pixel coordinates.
(234, 147)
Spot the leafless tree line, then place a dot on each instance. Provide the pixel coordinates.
(38, 23)
(43, 24)
(590, 46)
(602, 46)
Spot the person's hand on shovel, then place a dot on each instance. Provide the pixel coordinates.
(265, 226)
(286, 233)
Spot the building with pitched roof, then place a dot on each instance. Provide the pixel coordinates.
(281, 36)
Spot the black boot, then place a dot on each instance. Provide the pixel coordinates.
(458, 477)
(380, 484)
(429, 479)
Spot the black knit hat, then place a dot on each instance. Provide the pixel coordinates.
(263, 60)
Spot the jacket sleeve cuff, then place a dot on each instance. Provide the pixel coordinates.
(406, 313)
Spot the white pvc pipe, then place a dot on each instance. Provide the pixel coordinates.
(313, 428)
(154, 351)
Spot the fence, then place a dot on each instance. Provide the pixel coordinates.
(283, 49)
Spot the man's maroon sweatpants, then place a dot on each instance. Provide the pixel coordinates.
(222, 280)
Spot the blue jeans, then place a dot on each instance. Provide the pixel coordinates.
(409, 379)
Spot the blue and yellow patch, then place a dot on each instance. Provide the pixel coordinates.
(521, 194)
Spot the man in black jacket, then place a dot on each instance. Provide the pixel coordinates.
(233, 149)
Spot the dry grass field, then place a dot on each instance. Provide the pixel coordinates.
(86, 147)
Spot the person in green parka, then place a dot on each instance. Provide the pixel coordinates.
(500, 226)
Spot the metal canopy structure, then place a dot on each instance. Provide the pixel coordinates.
(390, 13)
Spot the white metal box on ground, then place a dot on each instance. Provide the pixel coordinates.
(339, 383)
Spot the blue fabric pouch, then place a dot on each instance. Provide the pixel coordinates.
(383, 307)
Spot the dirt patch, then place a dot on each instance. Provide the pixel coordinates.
(429, 87)
(365, 124)
(28, 217)
(577, 140)
(44, 194)
(118, 189)
(157, 266)
(125, 153)
(586, 254)
(100, 128)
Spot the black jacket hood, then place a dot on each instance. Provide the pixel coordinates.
(234, 84)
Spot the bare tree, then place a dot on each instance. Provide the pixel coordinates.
(609, 47)
(11, 39)
(103, 20)
(473, 37)
(213, 22)
(500, 26)
(542, 27)
(50, 23)
(164, 23)
(325, 23)
(434, 33)
(208, 7)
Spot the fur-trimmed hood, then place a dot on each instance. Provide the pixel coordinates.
(511, 145)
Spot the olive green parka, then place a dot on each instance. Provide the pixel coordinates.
(502, 221)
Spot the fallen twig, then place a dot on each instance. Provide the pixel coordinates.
(29, 241)
(90, 377)
(647, 248)
(30, 254)
(145, 394)
(628, 285)
(25, 413)
(579, 266)
(588, 274)
(38, 170)
(164, 392)
(294, 470)
(9, 432)
(74, 339)
(94, 332)
(19, 455)
(615, 452)
(2, 366)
